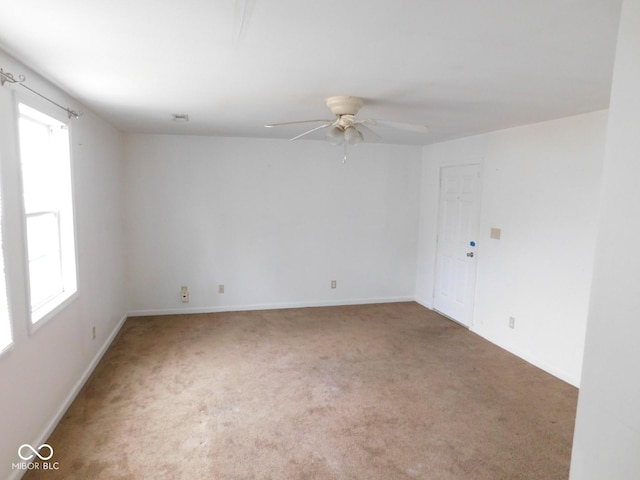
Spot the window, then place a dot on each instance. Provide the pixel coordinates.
(5, 319)
(48, 209)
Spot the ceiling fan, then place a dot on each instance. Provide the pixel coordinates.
(345, 129)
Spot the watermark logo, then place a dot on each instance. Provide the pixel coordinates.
(28, 448)
(35, 458)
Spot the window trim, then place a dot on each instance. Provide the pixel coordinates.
(7, 287)
(65, 299)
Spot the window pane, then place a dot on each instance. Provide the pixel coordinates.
(40, 172)
(45, 267)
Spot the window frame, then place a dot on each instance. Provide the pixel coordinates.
(3, 266)
(60, 302)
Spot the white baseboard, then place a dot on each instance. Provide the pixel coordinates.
(426, 304)
(536, 362)
(570, 379)
(16, 474)
(53, 423)
(73, 393)
(266, 306)
(275, 306)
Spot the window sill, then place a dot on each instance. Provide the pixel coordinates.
(51, 309)
(7, 348)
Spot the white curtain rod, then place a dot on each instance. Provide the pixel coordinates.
(8, 77)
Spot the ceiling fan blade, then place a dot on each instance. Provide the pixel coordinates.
(409, 127)
(271, 125)
(363, 128)
(311, 131)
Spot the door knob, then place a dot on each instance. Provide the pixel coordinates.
(470, 254)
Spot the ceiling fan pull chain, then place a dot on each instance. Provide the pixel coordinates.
(344, 159)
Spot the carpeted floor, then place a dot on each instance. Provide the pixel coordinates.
(390, 391)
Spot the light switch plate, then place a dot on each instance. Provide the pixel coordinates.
(495, 233)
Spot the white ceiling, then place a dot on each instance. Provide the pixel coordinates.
(460, 66)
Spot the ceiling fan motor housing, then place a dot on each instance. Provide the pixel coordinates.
(344, 105)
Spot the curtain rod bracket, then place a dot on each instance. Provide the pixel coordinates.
(8, 77)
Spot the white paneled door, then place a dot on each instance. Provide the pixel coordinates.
(457, 250)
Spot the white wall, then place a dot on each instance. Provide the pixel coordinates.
(607, 435)
(41, 373)
(540, 186)
(274, 221)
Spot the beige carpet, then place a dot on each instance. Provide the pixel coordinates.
(389, 391)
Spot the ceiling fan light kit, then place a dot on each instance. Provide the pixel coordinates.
(345, 129)
(352, 136)
(335, 135)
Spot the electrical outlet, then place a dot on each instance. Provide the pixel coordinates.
(184, 294)
(93, 332)
(221, 288)
(512, 322)
(334, 284)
